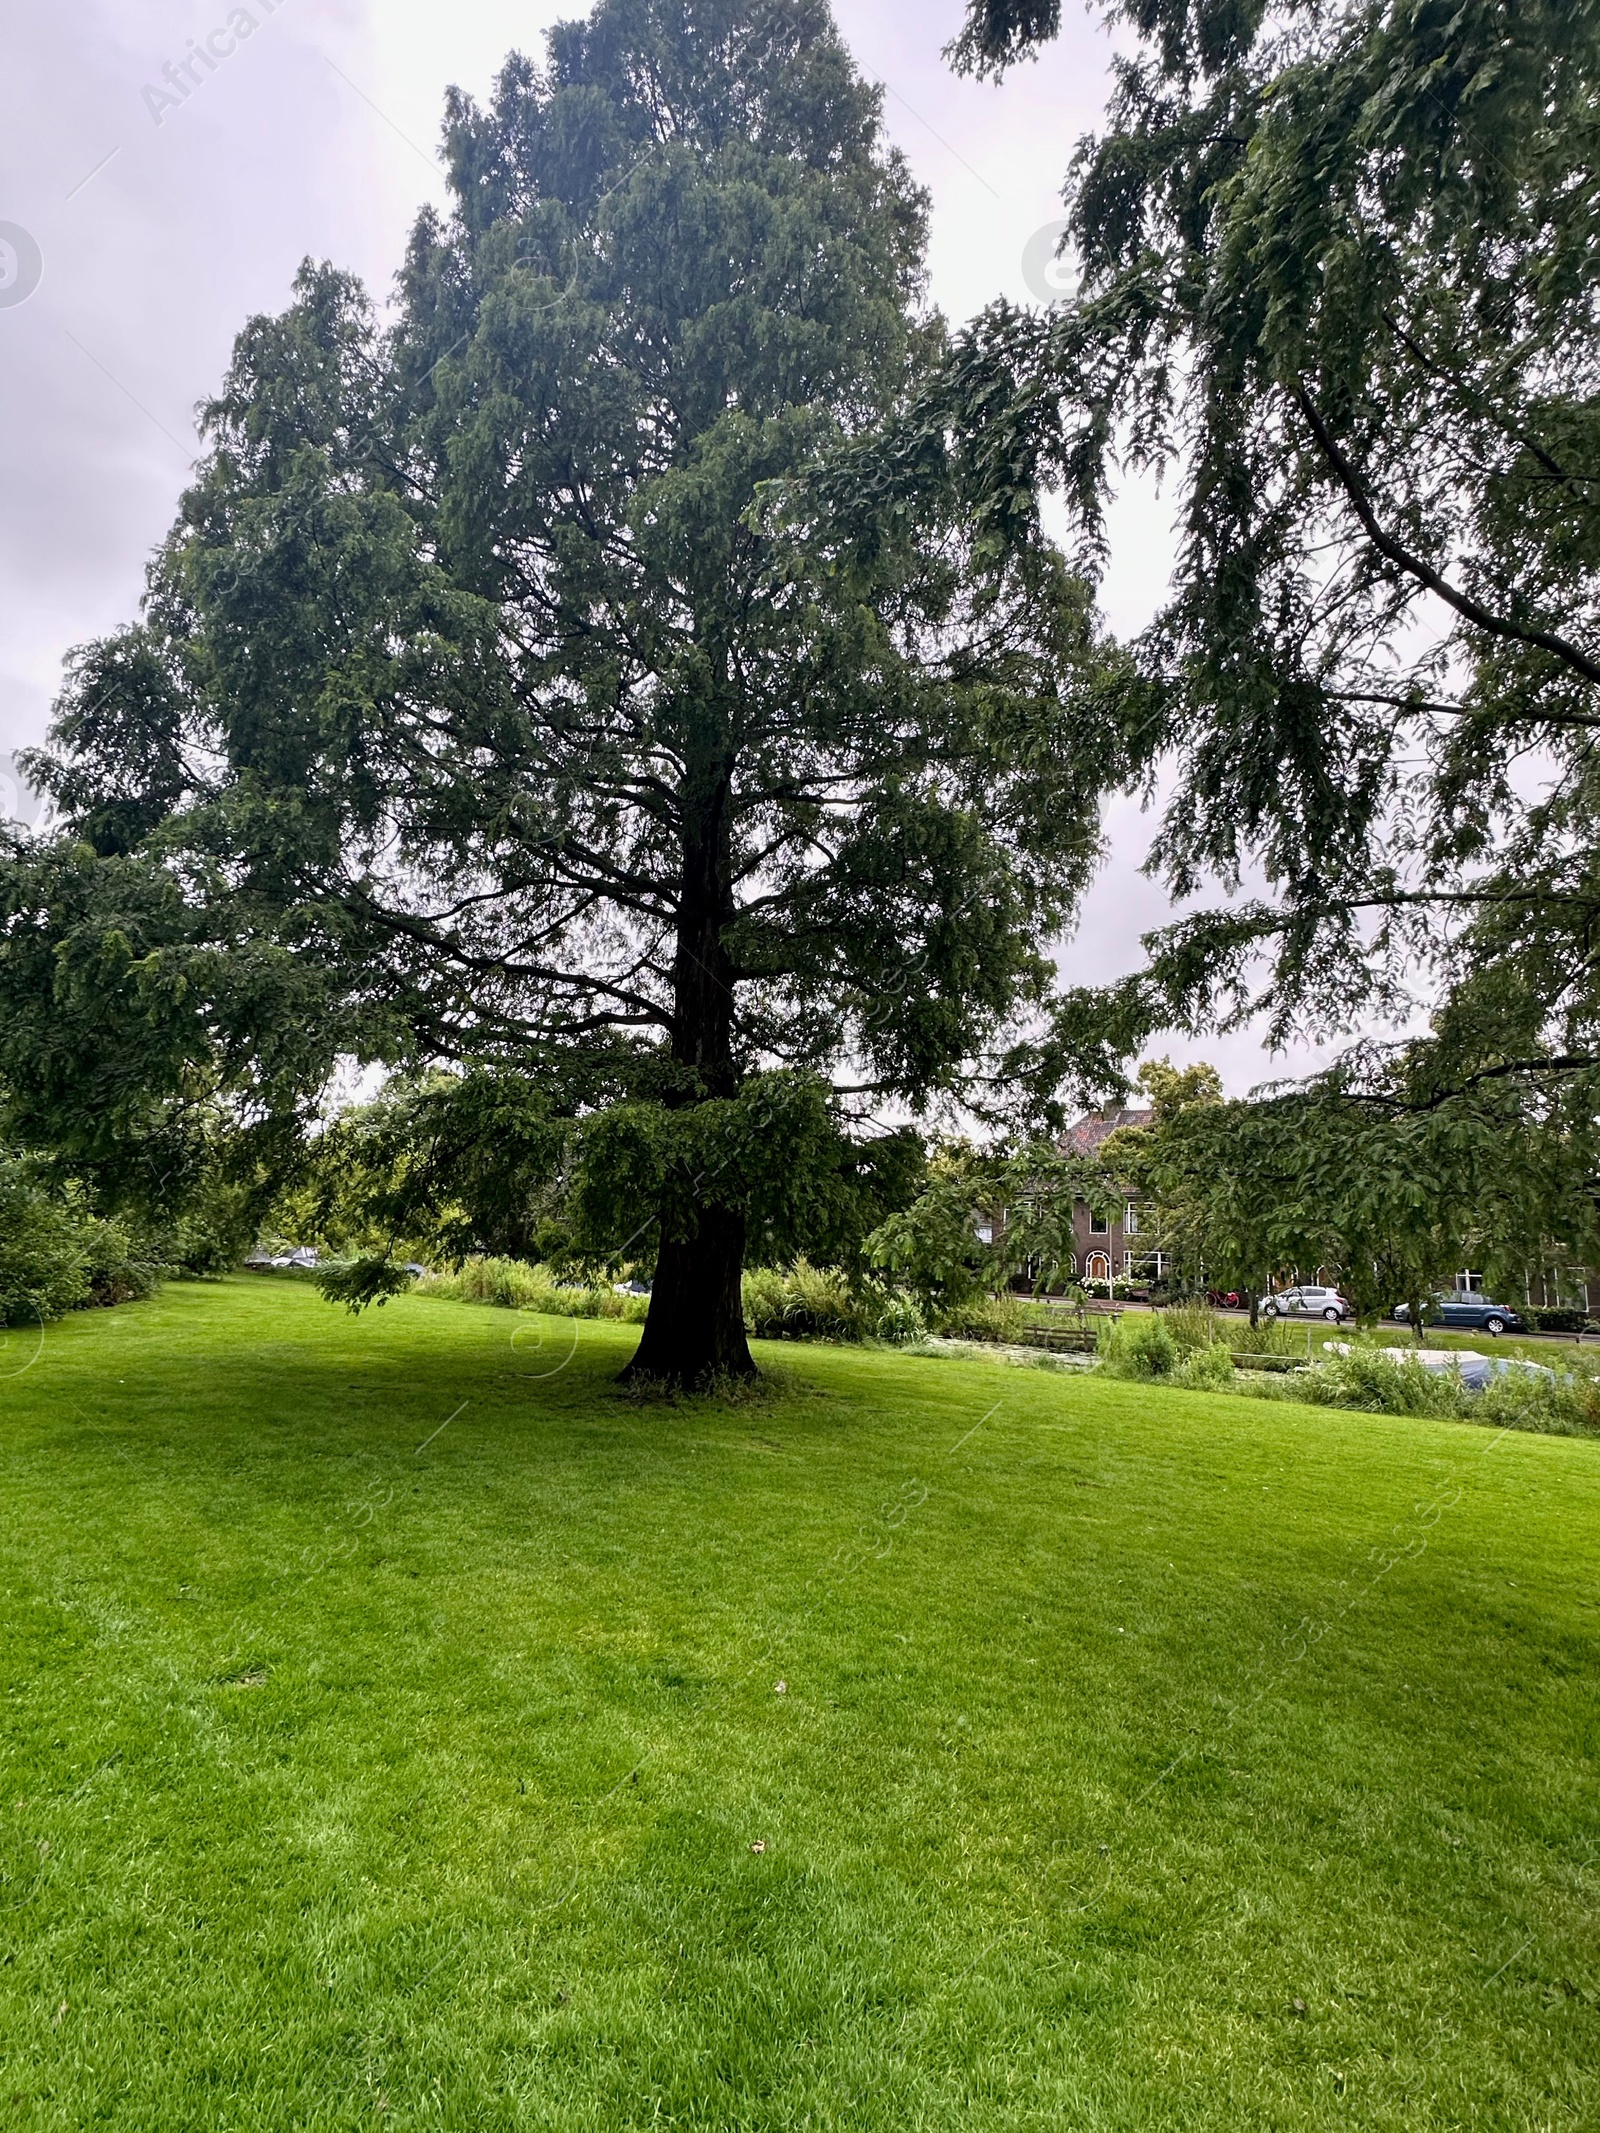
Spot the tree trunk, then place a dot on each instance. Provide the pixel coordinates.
(1414, 1304)
(694, 1332)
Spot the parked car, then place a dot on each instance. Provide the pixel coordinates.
(1308, 1301)
(1466, 1314)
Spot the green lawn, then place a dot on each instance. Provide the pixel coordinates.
(1144, 1760)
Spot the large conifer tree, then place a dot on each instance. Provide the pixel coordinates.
(499, 678)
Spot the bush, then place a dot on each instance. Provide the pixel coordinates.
(986, 1318)
(56, 1256)
(1193, 1327)
(1207, 1369)
(1564, 1405)
(42, 1270)
(1369, 1380)
(120, 1268)
(1273, 1340)
(513, 1285)
(893, 1316)
(1562, 1321)
(1138, 1345)
(811, 1303)
(806, 1303)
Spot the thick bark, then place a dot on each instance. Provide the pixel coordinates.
(694, 1332)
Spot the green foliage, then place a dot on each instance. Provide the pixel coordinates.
(1208, 1369)
(508, 1284)
(933, 1246)
(41, 1251)
(802, 1302)
(983, 1318)
(1369, 1171)
(511, 1285)
(1557, 1321)
(775, 1153)
(1138, 1345)
(1366, 1379)
(805, 1302)
(1194, 1327)
(497, 699)
(1338, 273)
(1270, 1340)
(1337, 265)
(357, 1283)
(894, 1317)
(442, 1165)
(1025, 1199)
(56, 1255)
(1564, 1404)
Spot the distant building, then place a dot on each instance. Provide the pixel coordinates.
(1108, 1249)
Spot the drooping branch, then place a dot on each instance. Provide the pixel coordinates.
(1418, 567)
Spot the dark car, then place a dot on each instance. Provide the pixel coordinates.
(1466, 1314)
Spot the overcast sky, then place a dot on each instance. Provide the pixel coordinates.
(159, 227)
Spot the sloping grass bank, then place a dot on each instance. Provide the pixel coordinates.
(404, 1728)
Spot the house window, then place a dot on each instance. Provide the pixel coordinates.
(1098, 1227)
(986, 1233)
(1130, 1221)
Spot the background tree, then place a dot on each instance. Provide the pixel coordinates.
(1374, 1175)
(983, 1217)
(1338, 274)
(489, 695)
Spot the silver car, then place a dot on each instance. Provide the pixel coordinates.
(1308, 1302)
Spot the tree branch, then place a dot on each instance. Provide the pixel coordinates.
(1418, 567)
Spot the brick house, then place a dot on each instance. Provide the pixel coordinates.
(1102, 1249)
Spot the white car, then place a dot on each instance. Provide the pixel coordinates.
(1308, 1302)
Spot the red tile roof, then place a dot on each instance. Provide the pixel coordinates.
(1085, 1137)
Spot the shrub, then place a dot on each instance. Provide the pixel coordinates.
(120, 1268)
(986, 1318)
(1562, 1321)
(811, 1303)
(1273, 1340)
(56, 1256)
(1138, 1345)
(513, 1285)
(1207, 1369)
(1564, 1404)
(42, 1256)
(804, 1303)
(894, 1317)
(1193, 1327)
(1367, 1379)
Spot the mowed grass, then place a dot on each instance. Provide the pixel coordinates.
(392, 1717)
